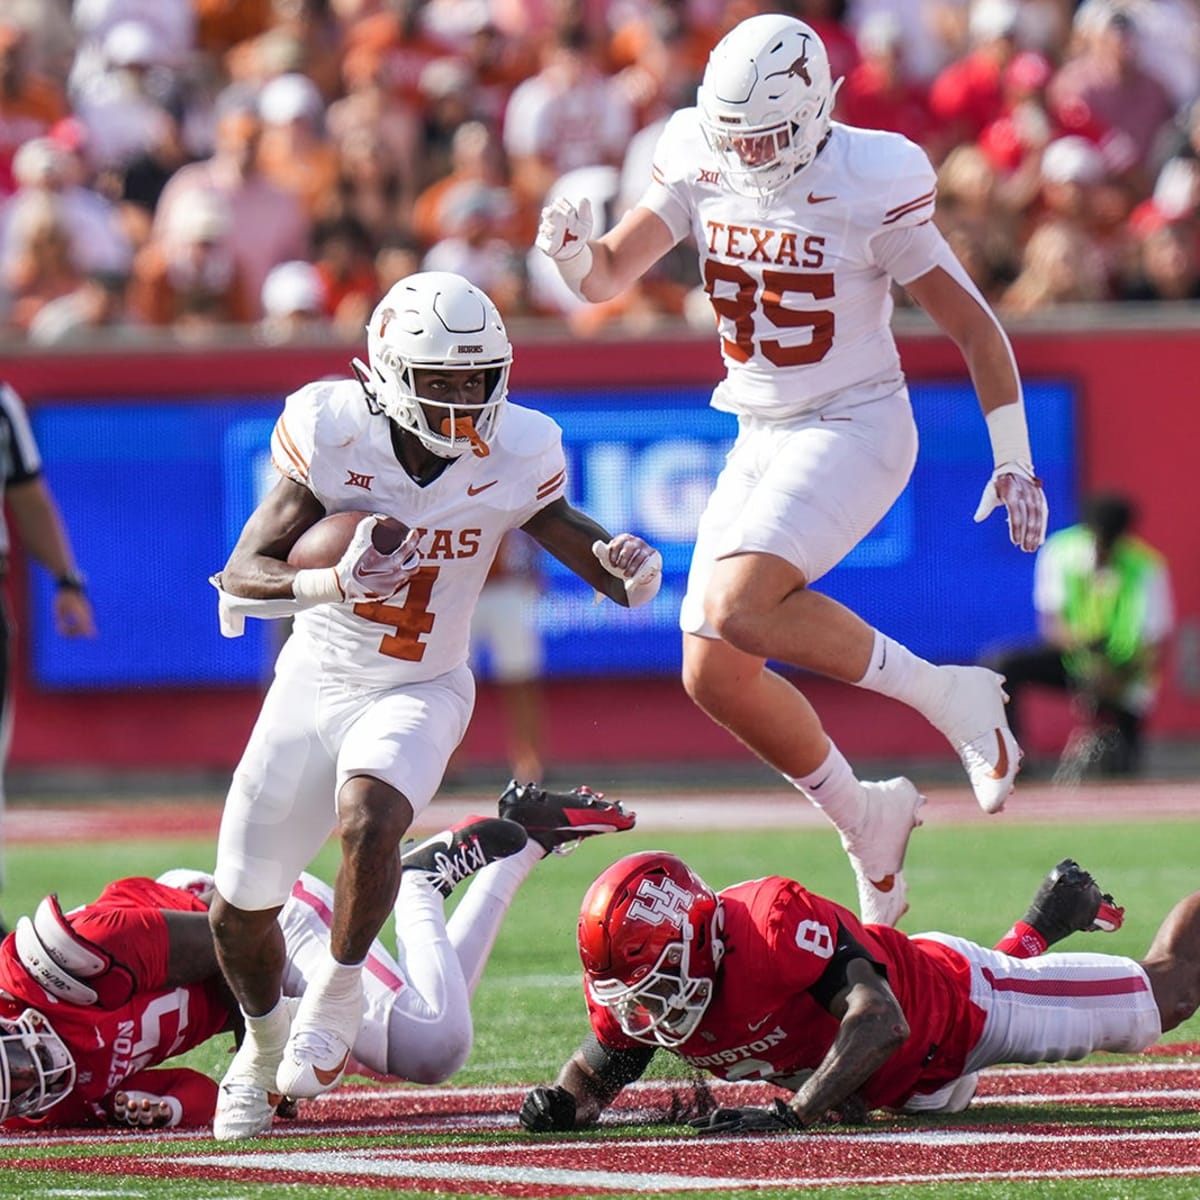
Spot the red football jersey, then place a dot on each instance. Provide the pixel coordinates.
(113, 1046)
(764, 1024)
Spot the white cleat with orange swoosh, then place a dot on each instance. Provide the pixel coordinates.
(318, 1049)
(876, 849)
(977, 727)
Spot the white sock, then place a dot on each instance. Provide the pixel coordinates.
(833, 788)
(269, 1033)
(337, 980)
(896, 671)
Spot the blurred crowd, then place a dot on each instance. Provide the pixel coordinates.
(187, 164)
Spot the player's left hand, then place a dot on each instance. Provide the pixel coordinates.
(777, 1117)
(1015, 486)
(140, 1110)
(633, 561)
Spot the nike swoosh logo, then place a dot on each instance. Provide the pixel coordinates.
(483, 487)
(1001, 767)
(325, 1078)
(823, 782)
(753, 1025)
(372, 572)
(819, 199)
(885, 884)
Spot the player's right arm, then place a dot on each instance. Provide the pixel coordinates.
(258, 568)
(591, 1079)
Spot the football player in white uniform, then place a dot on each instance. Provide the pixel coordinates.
(802, 225)
(372, 691)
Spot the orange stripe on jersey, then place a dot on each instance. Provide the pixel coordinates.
(657, 176)
(894, 214)
(551, 484)
(288, 446)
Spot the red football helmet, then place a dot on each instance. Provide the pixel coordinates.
(649, 938)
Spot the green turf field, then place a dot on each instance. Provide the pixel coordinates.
(971, 880)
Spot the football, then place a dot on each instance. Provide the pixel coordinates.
(323, 544)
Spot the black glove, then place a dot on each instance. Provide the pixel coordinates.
(548, 1110)
(777, 1117)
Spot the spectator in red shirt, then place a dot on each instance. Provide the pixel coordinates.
(878, 93)
(968, 94)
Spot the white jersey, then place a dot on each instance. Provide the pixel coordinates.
(329, 441)
(800, 286)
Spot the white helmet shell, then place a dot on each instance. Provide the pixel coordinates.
(766, 102)
(438, 321)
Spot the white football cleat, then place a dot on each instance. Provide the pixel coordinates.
(318, 1049)
(876, 849)
(974, 721)
(246, 1097)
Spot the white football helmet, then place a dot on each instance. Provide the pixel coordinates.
(436, 320)
(766, 102)
(36, 1068)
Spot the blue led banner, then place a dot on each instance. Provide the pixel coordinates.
(155, 494)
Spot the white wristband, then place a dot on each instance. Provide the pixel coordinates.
(317, 585)
(576, 269)
(1009, 435)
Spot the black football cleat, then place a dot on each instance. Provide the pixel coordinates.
(1070, 901)
(558, 820)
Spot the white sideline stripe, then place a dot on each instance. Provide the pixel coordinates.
(1099, 1069)
(1087, 1097)
(368, 1163)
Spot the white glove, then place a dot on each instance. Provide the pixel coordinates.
(362, 573)
(633, 561)
(563, 237)
(565, 229)
(1014, 485)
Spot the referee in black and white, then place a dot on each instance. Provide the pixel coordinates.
(34, 513)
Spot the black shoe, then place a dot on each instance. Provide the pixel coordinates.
(556, 820)
(1070, 901)
(456, 854)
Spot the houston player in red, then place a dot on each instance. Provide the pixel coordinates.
(93, 1001)
(768, 981)
(80, 1046)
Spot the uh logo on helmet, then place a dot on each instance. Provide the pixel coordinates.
(766, 102)
(649, 938)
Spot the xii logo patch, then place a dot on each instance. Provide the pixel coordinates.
(354, 479)
(707, 176)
